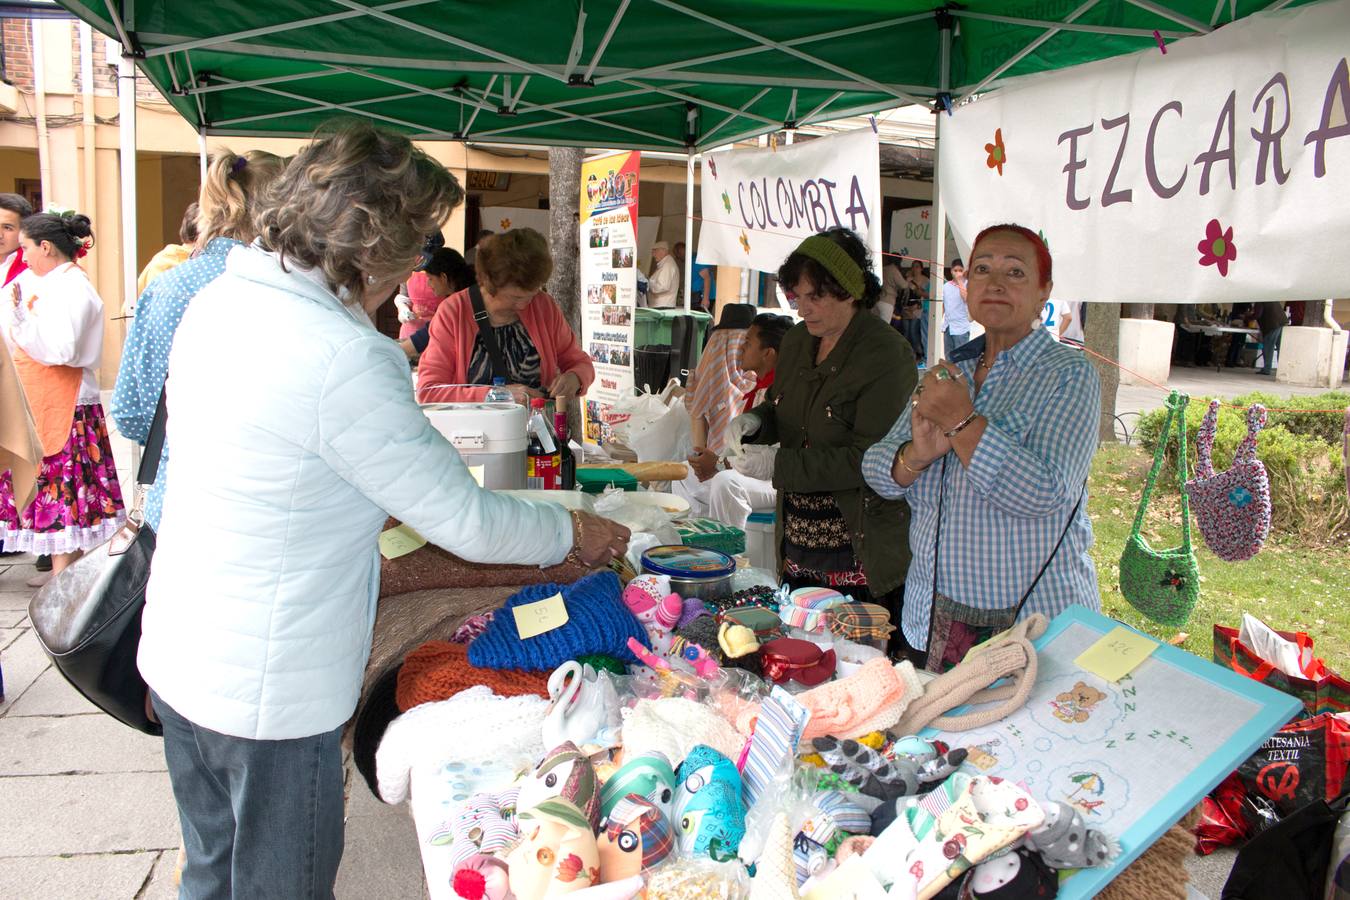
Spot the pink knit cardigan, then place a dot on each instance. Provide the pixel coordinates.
(453, 330)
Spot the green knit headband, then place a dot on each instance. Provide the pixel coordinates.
(836, 261)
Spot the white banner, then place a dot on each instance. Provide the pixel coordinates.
(758, 205)
(912, 236)
(1216, 172)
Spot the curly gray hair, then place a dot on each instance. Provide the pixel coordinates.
(357, 203)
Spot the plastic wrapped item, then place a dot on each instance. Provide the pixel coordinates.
(748, 577)
(850, 656)
(699, 879)
(637, 516)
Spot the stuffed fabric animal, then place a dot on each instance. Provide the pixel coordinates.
(709, 816)
(564, 774)
(557, 854)
(485, 824)
(635, 838)
(649, 776)
(481, 877)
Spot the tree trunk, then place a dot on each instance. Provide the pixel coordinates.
(1102, 335)
(564, 227)
(1314, 314)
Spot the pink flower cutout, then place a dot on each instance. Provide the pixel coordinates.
(1217, 249)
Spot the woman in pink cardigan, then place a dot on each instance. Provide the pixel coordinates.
(540, 353)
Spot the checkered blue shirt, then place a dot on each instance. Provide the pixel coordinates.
(1002, 516)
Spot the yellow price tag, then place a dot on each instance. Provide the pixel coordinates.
(400, 541)
(534, 619)
(1117, 654)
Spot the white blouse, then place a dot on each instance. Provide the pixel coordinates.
(63, 327)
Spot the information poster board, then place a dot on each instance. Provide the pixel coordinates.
(609, 254)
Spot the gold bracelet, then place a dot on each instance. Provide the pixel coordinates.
(574, 555)
(900, 457)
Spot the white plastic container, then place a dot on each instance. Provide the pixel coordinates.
(490, 437)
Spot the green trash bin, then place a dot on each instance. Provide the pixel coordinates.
(652, 326)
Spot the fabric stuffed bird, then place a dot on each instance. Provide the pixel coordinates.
(566, 774)
(709, 817)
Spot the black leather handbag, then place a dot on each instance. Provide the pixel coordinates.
(88, 618)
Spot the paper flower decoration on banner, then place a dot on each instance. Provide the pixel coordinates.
(998, 154)
(504, 224)
(745, 242)
(726, 200)
(712, 167)
(1217, 249)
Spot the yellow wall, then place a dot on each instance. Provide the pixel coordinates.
(17, 164)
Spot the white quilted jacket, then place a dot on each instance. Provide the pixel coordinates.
(294, 431)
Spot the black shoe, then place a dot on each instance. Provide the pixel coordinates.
(44, 563)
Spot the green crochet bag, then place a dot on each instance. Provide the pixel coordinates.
(1163, 584)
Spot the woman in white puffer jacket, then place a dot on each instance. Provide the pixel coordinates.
(294, 427)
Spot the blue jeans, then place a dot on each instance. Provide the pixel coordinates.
(260, 818)
(951, 341)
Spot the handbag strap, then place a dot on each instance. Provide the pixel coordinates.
(937, 545)
(154, 442)
(1256, 420)
(1204, 442)
(1181, 473)
(1176, 414)
(486, 334)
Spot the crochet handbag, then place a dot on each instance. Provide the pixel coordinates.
(1232, 508)
(1163, 584)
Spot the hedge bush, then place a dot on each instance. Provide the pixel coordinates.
(1301, 451)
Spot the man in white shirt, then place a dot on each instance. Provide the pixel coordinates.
(663, 285)
(1071, 322)
(956, 331)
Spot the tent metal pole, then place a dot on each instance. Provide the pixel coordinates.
(126, 101)
(936, 255)
(201, 152)
(689, 233)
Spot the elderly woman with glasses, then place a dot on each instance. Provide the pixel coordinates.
(993, 457)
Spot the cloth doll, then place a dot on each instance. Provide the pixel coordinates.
(564, 774)
(649, 598)
(709, 816)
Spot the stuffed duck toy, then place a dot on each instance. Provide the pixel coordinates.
(709, 816)
(649, 776)
(585, 709)
(636, 837)
(564, 774)
(557, 855)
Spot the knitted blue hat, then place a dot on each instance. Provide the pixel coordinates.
(597, 622)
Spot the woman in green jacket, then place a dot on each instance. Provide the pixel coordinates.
(843, 375)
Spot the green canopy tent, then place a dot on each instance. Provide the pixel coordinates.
(665, 75)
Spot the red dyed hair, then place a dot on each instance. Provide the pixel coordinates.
(1043, 261)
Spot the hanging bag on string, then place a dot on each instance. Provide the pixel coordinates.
(1163, 584)
(1232, 508)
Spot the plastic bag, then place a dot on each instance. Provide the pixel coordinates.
(1303, 762)
(654, 426)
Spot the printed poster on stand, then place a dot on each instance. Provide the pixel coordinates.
(609, 203)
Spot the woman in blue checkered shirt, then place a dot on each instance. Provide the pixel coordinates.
(993, 454)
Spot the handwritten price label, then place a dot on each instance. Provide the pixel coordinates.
(400, 541)
(541, 616)
(1117, 654)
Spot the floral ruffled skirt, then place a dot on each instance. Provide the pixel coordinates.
(78, 504)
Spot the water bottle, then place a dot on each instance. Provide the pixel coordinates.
(498, 392)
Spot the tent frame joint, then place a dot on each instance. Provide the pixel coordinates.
(576, 79)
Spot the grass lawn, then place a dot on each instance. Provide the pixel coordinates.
(1289, 587)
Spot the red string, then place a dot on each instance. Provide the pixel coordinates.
(1106, 359)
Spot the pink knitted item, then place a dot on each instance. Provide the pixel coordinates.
(872, 699)
(1232, 507)
(650, 599)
